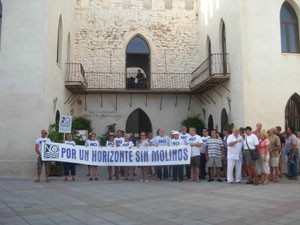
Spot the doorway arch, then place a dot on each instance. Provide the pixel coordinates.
(292, 112)
(138, 121)
(137, 58)
(224, 119)
(210, 124)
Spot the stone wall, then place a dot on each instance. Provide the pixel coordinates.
(104, 28)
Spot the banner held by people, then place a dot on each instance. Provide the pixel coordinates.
(105, 156)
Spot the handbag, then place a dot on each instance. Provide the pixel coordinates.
(253, 152)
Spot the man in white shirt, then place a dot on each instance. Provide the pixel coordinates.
(185, 136)
(204, 137)
(38, 150)
(234, 150)
(196, 142)
(250, 144)
(161, 140)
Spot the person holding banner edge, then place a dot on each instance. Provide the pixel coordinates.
(38, 150)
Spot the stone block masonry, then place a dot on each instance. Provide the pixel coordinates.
(104, 28)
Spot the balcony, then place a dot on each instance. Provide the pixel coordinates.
(213, 71)
(75, 80)
(111, 82)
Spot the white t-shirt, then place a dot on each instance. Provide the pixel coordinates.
(161, 141)
(127, 144)
(70, 142)
(90, 143)
(40, 140)
(203, 147)
(234, 151)
(110, 144)
(175, 142)
(119, 140)
(184, 137)
(252, 140)
(144, 143)
(195, 140)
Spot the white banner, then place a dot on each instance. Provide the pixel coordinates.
(105, 156)
(65, 124)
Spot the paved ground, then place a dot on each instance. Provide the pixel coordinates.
(135, 203)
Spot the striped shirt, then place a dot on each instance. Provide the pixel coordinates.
(214, 146)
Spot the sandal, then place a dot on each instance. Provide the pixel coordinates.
(249, 182)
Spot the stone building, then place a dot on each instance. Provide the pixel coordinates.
(225, 60)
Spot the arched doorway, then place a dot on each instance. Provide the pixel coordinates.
(292, 112)
(137, 58)
(224, 119)
(210, 124)
(138, 121)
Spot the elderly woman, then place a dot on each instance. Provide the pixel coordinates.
(263, 157)
(143, 142)
(110, 143)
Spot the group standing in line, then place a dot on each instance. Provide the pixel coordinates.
(261, 156)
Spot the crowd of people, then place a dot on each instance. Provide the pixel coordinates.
(260, 156)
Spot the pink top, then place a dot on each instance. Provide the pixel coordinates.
(263, 147)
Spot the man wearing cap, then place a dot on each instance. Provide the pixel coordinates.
(38, 150)
(177, 169)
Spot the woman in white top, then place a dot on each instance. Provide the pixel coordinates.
(110, 143)
(69, 166)
(93, 170)
(143, 142)
(127, 144)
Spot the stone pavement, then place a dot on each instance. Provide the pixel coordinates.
(135, 203)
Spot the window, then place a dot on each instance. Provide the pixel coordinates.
(59, 42)
(289, 29)
(0, 19)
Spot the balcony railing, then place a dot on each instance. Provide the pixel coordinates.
(75, 79)
(214, 70)
(121, 82)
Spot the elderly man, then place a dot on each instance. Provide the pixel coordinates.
(214, 154)
(292, 153)
(38, 150)
(161, 140)
(196, 142)
(250, 144)
(234, 155)
(185, 136)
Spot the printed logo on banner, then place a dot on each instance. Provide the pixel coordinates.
(51, 151)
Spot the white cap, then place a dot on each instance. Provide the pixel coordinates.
(175, 132)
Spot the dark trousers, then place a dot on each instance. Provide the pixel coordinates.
(202, 165)
(162, 171)
(188, 171)
(68, 167)
(178, 172)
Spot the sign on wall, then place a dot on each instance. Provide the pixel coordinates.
(65, 124)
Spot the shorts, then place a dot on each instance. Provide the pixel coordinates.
(247, 160)
(264, 165)
(214, 162)
(39, 165)
(195, 161)
(274, 161)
